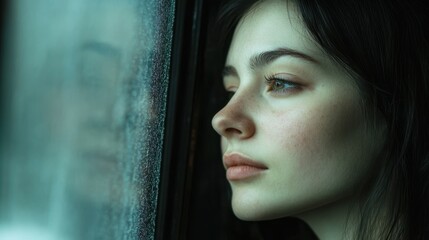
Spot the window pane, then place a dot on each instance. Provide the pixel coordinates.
(82, 125)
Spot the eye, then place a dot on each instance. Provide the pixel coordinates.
(281, 83)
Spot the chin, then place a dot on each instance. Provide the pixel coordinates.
(254, 211)
(252, 214)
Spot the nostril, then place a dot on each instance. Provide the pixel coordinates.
(232, 131)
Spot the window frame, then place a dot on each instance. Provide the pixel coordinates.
(194, 194)
(181, 124)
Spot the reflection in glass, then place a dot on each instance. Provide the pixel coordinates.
(82, 128)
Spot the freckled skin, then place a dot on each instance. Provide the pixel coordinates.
(314, 140)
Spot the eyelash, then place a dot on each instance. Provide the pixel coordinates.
(272, 81)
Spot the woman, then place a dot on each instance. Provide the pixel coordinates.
(326, 122)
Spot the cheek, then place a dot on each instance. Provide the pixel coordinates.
(316, 133)
(322, 148)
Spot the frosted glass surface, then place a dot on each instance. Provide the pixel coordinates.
(82, 125)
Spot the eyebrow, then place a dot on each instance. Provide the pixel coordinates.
(262, 59)
(265, 58)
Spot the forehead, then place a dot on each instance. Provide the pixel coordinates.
(270, 25)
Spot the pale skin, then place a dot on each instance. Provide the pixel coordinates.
(299, 114)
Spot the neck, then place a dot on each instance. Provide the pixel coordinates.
(332, 221)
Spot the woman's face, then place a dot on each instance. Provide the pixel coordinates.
(294, 135)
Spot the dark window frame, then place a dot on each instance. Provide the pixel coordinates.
(179, 144)
(194, 193)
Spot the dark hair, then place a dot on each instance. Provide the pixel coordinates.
(384, 44)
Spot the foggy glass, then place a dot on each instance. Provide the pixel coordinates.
(85, 84)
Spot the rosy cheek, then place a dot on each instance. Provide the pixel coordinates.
(293, 131)
(311, 135)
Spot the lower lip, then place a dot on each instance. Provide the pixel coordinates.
(242, 172)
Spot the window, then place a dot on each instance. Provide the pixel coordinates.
(85, 88)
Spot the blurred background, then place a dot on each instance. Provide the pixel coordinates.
(83, 97)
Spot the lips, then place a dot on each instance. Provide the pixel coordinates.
(239, 167)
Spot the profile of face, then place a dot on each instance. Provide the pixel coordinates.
(295, 137)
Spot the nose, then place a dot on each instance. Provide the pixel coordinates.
(234, 121)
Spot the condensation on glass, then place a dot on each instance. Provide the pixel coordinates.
(82, 125)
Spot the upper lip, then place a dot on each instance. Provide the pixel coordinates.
(236, 159)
